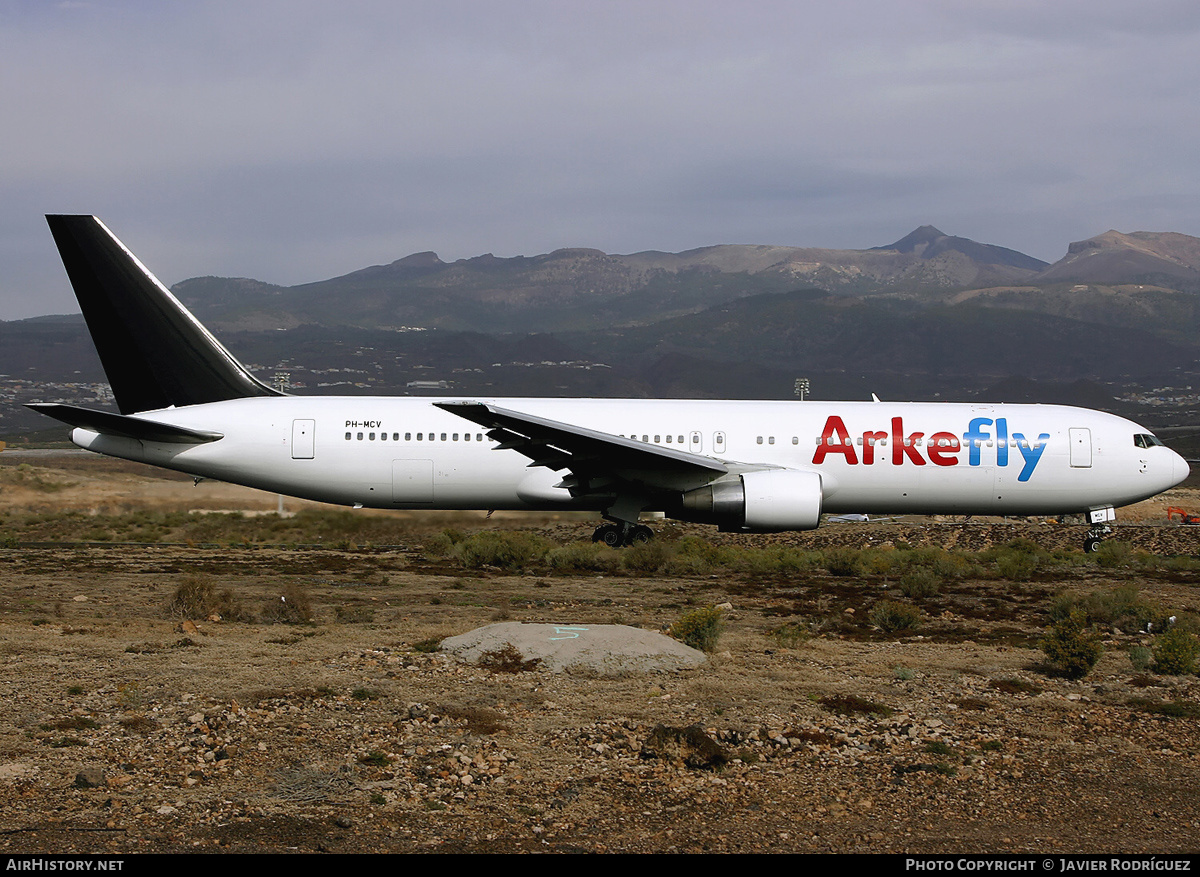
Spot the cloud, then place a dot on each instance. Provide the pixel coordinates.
(295, 141)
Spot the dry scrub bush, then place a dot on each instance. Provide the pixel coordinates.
(891, 616)
(509, 551)
(1176, 653)
(700, 628)
(1070, 648)
(584, 557)
(293, 607)
(920, 582)
(196, 598)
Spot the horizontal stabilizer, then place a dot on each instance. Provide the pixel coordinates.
(107, 423)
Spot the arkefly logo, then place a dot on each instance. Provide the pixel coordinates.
(987, 442)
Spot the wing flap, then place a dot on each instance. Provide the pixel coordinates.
(596, 460)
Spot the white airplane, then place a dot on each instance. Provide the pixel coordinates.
(187, 404)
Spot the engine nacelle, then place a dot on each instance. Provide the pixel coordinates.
(767, 500)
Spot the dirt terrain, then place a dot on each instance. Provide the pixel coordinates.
(125, 728)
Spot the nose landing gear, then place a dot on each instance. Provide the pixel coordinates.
(1098, 518)
(1095, 535)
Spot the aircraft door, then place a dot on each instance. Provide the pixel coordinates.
(696, 444)
(303, 435)
(1081, 447)
(718, 442)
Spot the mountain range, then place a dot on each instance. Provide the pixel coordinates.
(572, 289)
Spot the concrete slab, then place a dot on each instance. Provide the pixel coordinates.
(605, 649)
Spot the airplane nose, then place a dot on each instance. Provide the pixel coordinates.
(1180, 469)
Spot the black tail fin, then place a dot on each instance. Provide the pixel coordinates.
(155, 353)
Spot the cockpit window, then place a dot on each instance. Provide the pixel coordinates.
(1145, 440)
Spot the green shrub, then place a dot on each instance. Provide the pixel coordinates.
(686, 565)
(892, 616)
(1112, 554)
(700, 628)
(920, 582)
(842, 562)
(953, 565)
(510, 551)
(1175, 653)
(1070, 648)
(1016, 560)
(878, 562)
(647, 558)
(1122, 607)
(1140, 658)
(584, 557)
(1016, 566)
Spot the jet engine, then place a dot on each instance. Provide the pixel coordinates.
(766, 500)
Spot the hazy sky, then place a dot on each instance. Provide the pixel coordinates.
(295, 141)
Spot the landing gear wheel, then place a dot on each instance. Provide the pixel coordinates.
(609, 534)
(640, 535)
(623, 535)
(1095, 535)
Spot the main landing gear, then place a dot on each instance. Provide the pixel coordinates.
(622, 535)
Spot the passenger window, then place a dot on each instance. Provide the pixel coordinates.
(360, 436)
(408, 436)
(347, 436)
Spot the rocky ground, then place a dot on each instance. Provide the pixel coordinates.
(126, 729)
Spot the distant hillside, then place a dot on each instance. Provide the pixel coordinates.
(815, 331)
(929, 243)
(1167, 259)
(584, 288)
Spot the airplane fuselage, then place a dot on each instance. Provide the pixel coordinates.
(187, 404)
(875, 457)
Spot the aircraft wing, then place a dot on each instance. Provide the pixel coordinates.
(598, 462)
(122, 425)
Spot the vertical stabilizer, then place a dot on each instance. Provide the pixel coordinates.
(155, 353)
